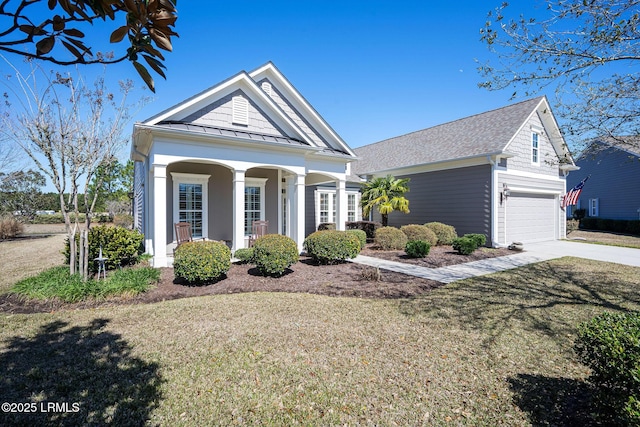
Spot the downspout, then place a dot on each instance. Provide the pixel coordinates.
(494, 207)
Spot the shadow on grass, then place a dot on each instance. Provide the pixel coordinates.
(553, 401)
(83, 365)
(549, 297)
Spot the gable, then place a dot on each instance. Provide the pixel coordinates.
(272, 90)
(220, 114)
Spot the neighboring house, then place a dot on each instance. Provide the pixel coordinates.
(613, 189)
(250, 148)
(501, 173)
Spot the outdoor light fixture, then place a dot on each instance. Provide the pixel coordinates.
(504, 193)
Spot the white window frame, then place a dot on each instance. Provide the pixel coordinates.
(260, 183)
(240, 110)
(535, 148)
(594, 207)
(332, 204)
(191, 178)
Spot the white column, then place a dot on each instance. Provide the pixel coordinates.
(299, 213)
(341, 200)
(291, 191)
(159, 215)
(238, 210)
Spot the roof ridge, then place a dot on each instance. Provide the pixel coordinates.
(453, 121)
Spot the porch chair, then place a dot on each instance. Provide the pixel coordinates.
(258, 229)
(183, 234)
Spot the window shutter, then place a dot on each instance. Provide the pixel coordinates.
(266, 87)
(240, 113)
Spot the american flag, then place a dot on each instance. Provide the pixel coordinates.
(571, 198)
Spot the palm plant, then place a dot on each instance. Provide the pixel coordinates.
(386, 194)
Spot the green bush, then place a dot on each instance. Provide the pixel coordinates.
(121, 246)
(419, 232)
(369, 227)
(609, 344)
(245, 255)
(464, 245)
(202, 262)
(631, 226)
(332, 246)
(480, 239)
(390, 238)
(56, 218)
(273, 254)
(417, 248)
(445, 233)
(361, 235)
(326, 226)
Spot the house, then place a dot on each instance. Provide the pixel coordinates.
(501, 173)
(249, 148)
(612, 191)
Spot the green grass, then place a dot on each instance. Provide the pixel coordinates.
(488, 351)
(57, 283)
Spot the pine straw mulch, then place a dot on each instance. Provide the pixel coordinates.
(345, 279)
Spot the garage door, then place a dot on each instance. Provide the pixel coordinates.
(531, 217)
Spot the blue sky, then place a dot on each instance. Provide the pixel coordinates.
(373, 69)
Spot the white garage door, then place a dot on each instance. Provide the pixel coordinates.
(531, 218)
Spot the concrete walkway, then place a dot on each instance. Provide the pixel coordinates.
(534, 252)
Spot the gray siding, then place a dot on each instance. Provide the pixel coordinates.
(459, 197)
(219, 114)
(615, 181)
(138, 196)
(521, 146)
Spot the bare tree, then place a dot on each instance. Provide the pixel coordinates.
(589, 49)
(68, 129)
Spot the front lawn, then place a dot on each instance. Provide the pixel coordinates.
(493, 350)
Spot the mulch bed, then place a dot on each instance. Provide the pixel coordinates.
(346, 279)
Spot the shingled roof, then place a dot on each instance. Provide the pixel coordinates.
(481, 134)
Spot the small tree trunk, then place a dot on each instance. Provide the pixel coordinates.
(81, 256)
(72, 253)
(85, 243)
(385, 220)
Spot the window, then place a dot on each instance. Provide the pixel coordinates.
(240, 110)
(351, 208)
(593, 207)
(535, 148)
(190, 201)
(327, 203)
(253, 202)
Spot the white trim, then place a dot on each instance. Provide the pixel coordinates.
(260, 183)
(525, 174)
(532, 190)
(191, 178)
(333, 204)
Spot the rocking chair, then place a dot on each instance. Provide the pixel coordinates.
(258, 229)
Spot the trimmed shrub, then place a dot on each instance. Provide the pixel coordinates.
(417, 248)
(201, 262)
(630, 226)
(369, 227)
(361, 235)
(464, 245)
(609, 344)
(273, 254)
(10, 227)
(390, 238)
(445, 233)
(332, 246)
(480, 239)
(419, 232)
(122, 246)
(56, 218)
(245, 255)
(326, 226)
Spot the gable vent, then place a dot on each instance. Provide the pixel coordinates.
(240, 111)
(266, 87)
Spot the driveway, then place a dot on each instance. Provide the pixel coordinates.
(560, 248)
